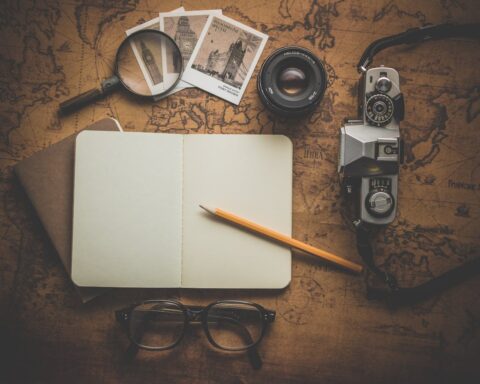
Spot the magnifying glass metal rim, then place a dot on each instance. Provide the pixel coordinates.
(127, 41)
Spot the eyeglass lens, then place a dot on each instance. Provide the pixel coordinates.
(234, 326)
(157, 325)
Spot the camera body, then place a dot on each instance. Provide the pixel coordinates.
(371, 149)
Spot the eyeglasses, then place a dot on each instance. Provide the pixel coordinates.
(230, 325)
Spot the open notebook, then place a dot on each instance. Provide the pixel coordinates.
(137, 220)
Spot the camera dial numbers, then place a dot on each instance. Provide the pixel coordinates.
(379, 110)
(379, 203)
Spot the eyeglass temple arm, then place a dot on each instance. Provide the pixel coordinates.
(252, 352)
(269, 315)
(123, 314)
(123, 317)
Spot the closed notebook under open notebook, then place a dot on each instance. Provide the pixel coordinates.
(47, 177)
(137, 220)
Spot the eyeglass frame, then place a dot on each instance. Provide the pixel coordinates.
(190, 313)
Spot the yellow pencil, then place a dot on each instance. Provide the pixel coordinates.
(284, 239)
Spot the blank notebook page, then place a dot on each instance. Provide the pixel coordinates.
(250, 176)
(127, 210)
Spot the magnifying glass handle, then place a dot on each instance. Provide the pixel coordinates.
(79, 101)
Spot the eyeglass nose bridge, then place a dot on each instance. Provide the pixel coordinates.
(194, 314)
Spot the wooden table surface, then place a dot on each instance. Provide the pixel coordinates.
(326, 331)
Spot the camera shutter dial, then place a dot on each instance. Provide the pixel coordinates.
(379, 110)
(379, 203)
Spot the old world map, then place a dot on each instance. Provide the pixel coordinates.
(51, 50)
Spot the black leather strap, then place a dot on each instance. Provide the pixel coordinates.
(416, 35)
(395, 295)
(365, 250)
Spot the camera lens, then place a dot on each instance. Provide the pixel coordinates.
(292, 81)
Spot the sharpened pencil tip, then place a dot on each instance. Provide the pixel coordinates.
(209, 210)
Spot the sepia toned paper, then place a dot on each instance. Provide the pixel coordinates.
(185, 28)
(152, 70)
(224, 58)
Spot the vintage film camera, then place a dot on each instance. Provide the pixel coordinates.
(371, 152)
(371, 149)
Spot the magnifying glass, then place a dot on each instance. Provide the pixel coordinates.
(148, 64)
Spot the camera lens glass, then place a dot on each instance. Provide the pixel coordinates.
(292, 81)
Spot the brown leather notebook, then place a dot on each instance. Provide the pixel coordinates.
(47, 177)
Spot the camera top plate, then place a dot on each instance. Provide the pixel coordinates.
(381, 102)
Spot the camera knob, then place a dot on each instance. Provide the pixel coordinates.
(383, 84)
(379, 109)
(379, 203)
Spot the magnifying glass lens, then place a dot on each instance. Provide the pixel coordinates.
(149, 63)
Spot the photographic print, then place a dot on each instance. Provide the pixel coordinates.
(225, 57)
(150, 52)
(185, 28)
(149, 56)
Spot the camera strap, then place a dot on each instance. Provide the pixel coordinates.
(390, 291)
(417, 35)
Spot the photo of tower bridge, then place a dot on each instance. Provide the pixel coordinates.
(227, 54)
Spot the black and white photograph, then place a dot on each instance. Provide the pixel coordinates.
(150, 56)
(225, 57)
(185, 27)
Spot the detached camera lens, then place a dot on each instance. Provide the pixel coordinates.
(292, 81)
